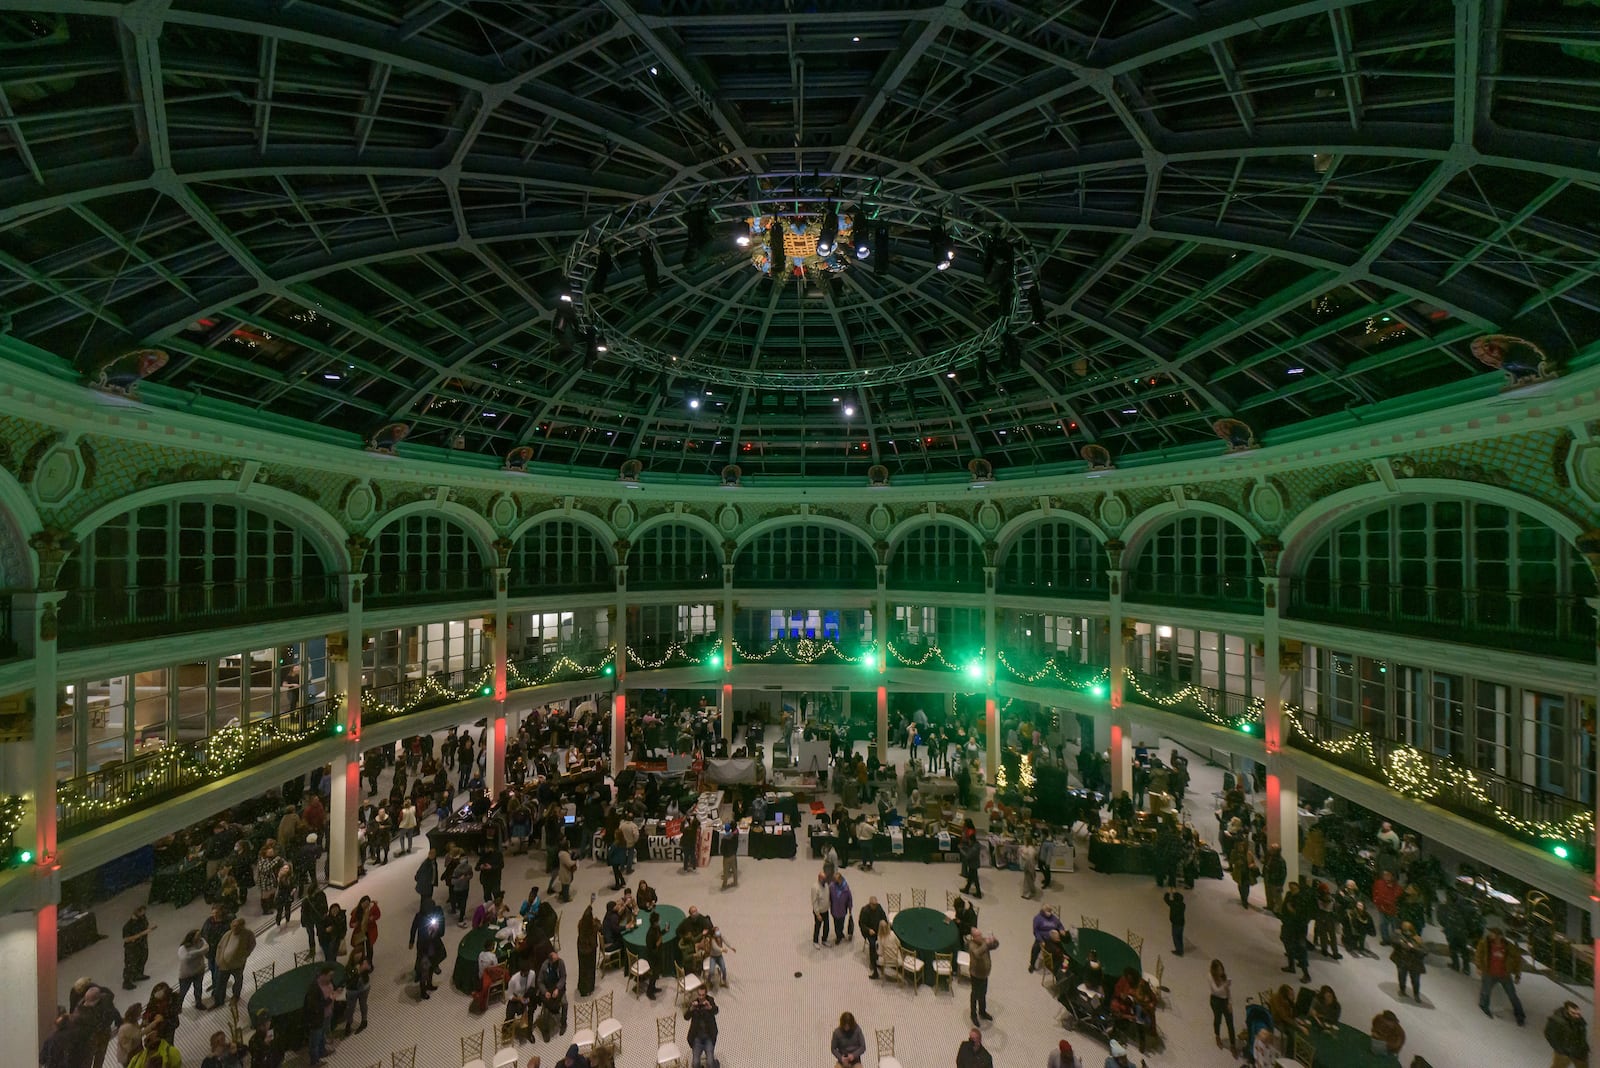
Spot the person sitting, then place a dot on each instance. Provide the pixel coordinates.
(1053, 955)
(1126, 1007)
(628, 909)
(1325, 1009)
(1282, 1007)
(1388, 1037)
(521, 993)
(1094, 973)
(646, 897)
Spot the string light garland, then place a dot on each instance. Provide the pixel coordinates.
(801, 651)
(562, 668)
(13, 807)
(677, 654)
(929, 653)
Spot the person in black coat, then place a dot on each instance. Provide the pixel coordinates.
(428, 876)
(702, 1017)
(427, 938)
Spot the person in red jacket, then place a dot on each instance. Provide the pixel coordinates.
(1386, 897)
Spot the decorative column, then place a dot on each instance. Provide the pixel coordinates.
(29, 937)
(1283, 788)
(880, 648)
(494, 777)
(344, 780)
(1120, 744)
(619, 643)
(727, 612)
(1593, 540)
(991, 659)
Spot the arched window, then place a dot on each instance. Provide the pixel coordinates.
(423, 556)
(673, 556)
(938, 556)
(1422, 565)
(560, 554)
(1054, 557)
(187, 564)
(1200, 560)
(802, 555)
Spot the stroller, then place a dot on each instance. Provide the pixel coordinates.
(1085, 1013)
(1257, 1018)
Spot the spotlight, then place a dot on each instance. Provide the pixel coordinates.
(697, 234)
(1098, 690)
(1561, 851)
(694, 402)
(880, 248)
(602, 273)
(741, 233)
(830, 231)
(849, 411)
(975, 670)
(858, 233)
(1036, 310)
(647, 267)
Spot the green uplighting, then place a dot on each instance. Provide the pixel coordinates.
(338, 728)
(1248, 728)
(1561, 851)
(487, 690)
(607, 670)
(1097, 690)
(715, 660)
(869, 660)
(26, 856)
(975, 670)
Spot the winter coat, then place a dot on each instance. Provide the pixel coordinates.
(235, 948)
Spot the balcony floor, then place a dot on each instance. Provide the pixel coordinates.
(771, 1018)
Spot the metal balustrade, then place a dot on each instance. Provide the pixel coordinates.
(117, 788)
(423, 586)
(1223, 592)
(1553, 624)
(99, 616)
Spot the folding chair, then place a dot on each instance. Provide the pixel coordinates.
(638, 972)
(910, 968)
(667, 1052)
(505, 1045)
(886, 1058)
(583, 1021)
(1136, 941)
(472, 1051)
(1154, 979)
(919, 898)
(687, 984)
(1091, 922)
(892, 904)
(608, 1029)
(612, 958)
(944, 967)
(950, 905)
(265, 975)
(403, 1058)
(1304, 1051)
(303, 957)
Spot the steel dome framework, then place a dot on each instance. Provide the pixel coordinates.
(360, 213)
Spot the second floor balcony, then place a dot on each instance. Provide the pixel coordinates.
(104, 616)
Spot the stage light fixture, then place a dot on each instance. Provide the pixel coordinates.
(830, 230)
(646, 254)
(602, 273)
(858, 233)
(1036, 310)
(741, 233)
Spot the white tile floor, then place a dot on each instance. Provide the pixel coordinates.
(786, 996)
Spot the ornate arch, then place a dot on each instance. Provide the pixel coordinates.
(476, 526)
(1150, 520)
(593, 524)
(321, 528)
(18, 521)
(1007, 535)
(767, 526)
(707, 530)
(922, 519)
(1303, 534)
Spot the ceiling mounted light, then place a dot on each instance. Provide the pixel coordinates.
(849, 411)
(741, 233)
(602, 273)
(697, 234)
(830, 230)
(858, 231)
(646, 254)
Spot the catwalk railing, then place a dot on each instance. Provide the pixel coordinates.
(102, 616)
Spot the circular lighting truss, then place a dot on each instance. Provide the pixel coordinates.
(803, 228)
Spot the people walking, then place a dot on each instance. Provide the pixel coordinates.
(1222, 1005)
(1499, 963)
(842, 905)
(1409, 956)
(1568, 1036)
(969, 851)
(821, 900)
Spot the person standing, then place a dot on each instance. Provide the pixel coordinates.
(866, 840)
(1222, 1005)
(968, 850)
(233, 955)
(841, 904)
(1409, 956)
(1463, 926)
(427, 937)
(821, 901)
(314, 1013)
(566, 868)
(364, 927)
(1274, 873)
(1386, 899)
(458, 876)
(730, 856)
(1028, 861)
(1242, 866)
(1292, 920)
(1499, 962)
(872, 915)
(1175, 917)
(971, 1054)
(979, 946)
(407, 825)
(135, 947)
(192, 953)
(689, 845)
(588, 948)
(652, 947)
(491, 863)
(702, 1017)
(1568, 1036)
(212, 930)
(848, 1044)
(1047, 856)
(357, 987)
(427, 877)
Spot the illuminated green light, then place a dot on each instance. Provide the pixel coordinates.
(606, 670)
(1098, 690)
(338, 728)
(869, 661)
(1248, 728)
(975, 670)
(487, 690)
(26, 856)
(715, 660)
(1560, 851)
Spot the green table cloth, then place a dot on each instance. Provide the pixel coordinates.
(1115, 955)
(464, 976)
(1348, 1047)
(926, 932)
(284, 997)
(671, 917)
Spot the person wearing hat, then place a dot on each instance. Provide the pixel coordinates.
(1062, 1057)
(1119, 1056)
(263, 1044)
(157, 1052)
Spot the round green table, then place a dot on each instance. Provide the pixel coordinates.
(926, 932)
(1348, 1046)
(284, 998)
(464, 976)
(671, 917)
(1114, 954)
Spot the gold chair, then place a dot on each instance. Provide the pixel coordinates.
(919, 898)
(612, 958)
(497, 989)
(891, 904)
(944, 968)
(1091, 922)
(265, 975)
(1135, 941)
(910, 968)
(303, 958)
(667, 1052)
(886, 1058)
(687, 984)
(1154, 979)
(638, 972)
(472, 1051)
(608, 1029)
(403, 1058)
(1304, 1051)
(950, 905)
(505, 1045)
(583, 1021)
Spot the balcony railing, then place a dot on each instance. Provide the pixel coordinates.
(422, 586)
(119, 787)
(1223, 592)
(1204, 703)
(560, 666)
(393, 699)
(1555, 624)
(1083, 585)
(1506, 805)
(96, 616)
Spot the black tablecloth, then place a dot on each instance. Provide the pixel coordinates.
(464, 976)
(1348, 1047)
(1139, 858)
(178, 884)
(764, 845)
(75, 934)
(917, 847)
(284, 998)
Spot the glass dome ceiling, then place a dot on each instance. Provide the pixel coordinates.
(360, 214)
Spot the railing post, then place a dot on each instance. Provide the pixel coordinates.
(991, 707)
(1120, 745)
(344, 664)
(619, 642)
(1283, 787)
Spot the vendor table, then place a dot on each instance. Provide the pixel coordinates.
(284, 998)
(1139, 858)
(1348, 1047)
(916, 847)
(671, 917)
(926, 932)
(76, 932)
(764, 845)
(178, 884)
(464, 976)
(1116, 956)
